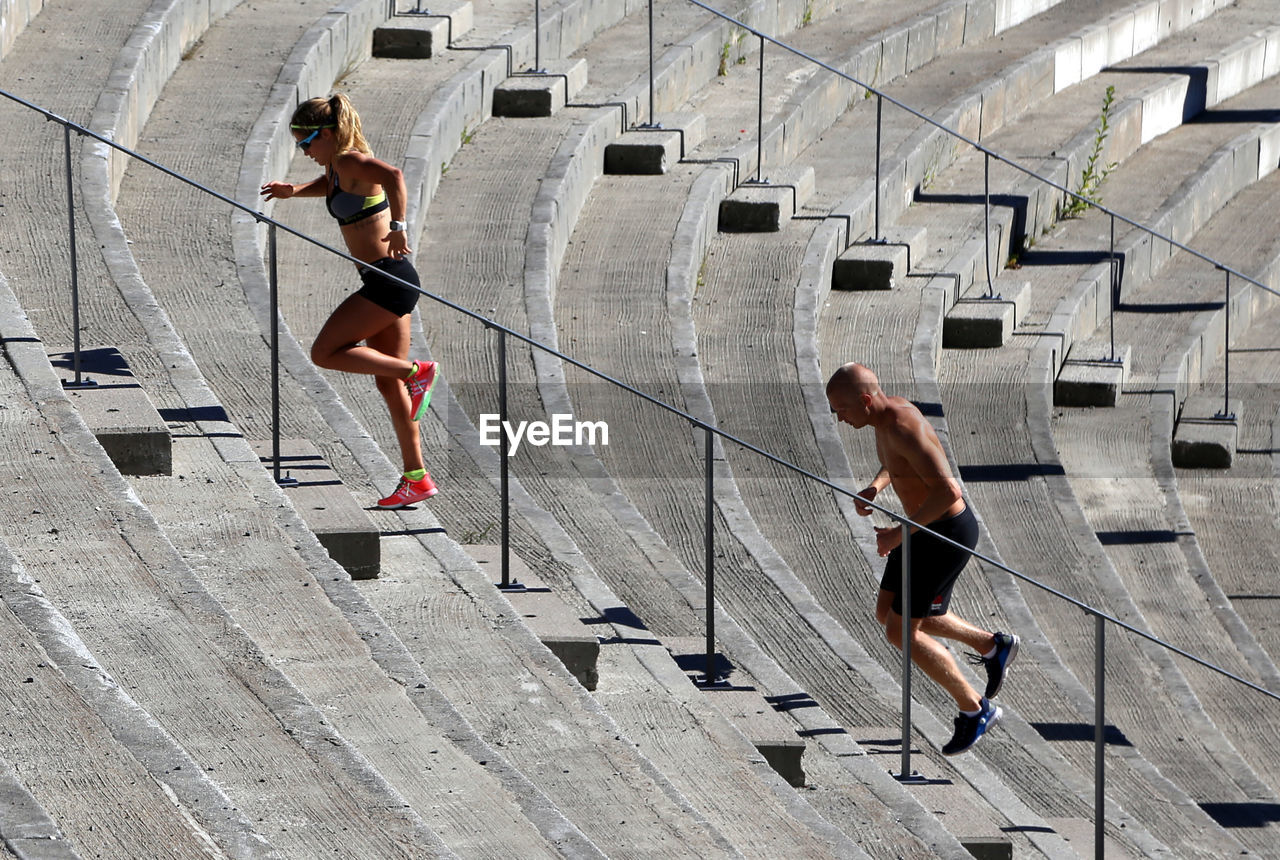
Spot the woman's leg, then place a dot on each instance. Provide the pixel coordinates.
(384, 355)
(338, 346)
(394, 341)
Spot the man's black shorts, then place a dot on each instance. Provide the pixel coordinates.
(935, 565)
(386, 293)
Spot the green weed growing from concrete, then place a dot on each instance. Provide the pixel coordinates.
(1093, 175)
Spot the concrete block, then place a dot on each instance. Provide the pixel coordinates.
(762, 207)
(991, 115)
(988, 847)
(1162, 108)
(1239, 70)
(411, 38)
(552, 620)
(1176, 16)
(1246, 160)
(922, 42)
(978, 322)
(950, 31)
(772, 734)
(332, 514)
(872, 265)
(1091, 376)
(1204, 437)
(643, 152)
(1271, 62)
(118, 411)
(980, 22)
(893, 57)
(869, 267)
(651, 150)
(540, 93)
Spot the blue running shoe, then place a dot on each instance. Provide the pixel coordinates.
(997, 665)
(969, 730)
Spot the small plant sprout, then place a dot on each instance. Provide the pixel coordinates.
(1095, 172)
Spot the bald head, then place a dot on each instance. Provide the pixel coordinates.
(852, 379)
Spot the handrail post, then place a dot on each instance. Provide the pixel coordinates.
(78, 382)
(879, 130)
(274, 280)
(537, 37)
(1099, 735)
(986, 219)
(1226, 352)
(653, 118)
(504, 460)
(1115, 288)
(906, 653)
(760, 119)
(709, 554)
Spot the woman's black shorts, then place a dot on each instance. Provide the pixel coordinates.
(386, 293)
(935, 565)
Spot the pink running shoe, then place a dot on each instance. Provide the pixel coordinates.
(407, 492)
(420, 388)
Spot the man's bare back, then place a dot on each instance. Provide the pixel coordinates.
(910, 454)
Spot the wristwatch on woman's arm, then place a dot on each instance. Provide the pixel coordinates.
(398, 227)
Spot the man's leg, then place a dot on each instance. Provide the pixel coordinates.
(933, 658)
(949, 626)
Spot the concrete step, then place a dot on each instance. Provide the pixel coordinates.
(551, 619)
(540, 92)
(421, 33)
(985, 321)
(764, 206)
(331, 512)
(116, 407)
(747, 708)
(652, 149)
(1207, 432)
(879, 264)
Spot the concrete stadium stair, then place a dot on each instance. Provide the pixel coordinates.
(726, 769)
(337, 416)
(975, 401)
(576, 776)
(1168, 315)
(170, 499)
(1231, 511)
(588, 254)
(963, 399)
(245, 760)
(453, 168)
(522, 131)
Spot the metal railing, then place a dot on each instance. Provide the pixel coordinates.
(710, 432)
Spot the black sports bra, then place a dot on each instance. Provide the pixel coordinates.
(349, 208)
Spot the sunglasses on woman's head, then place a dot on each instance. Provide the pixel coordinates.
(306, 142)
